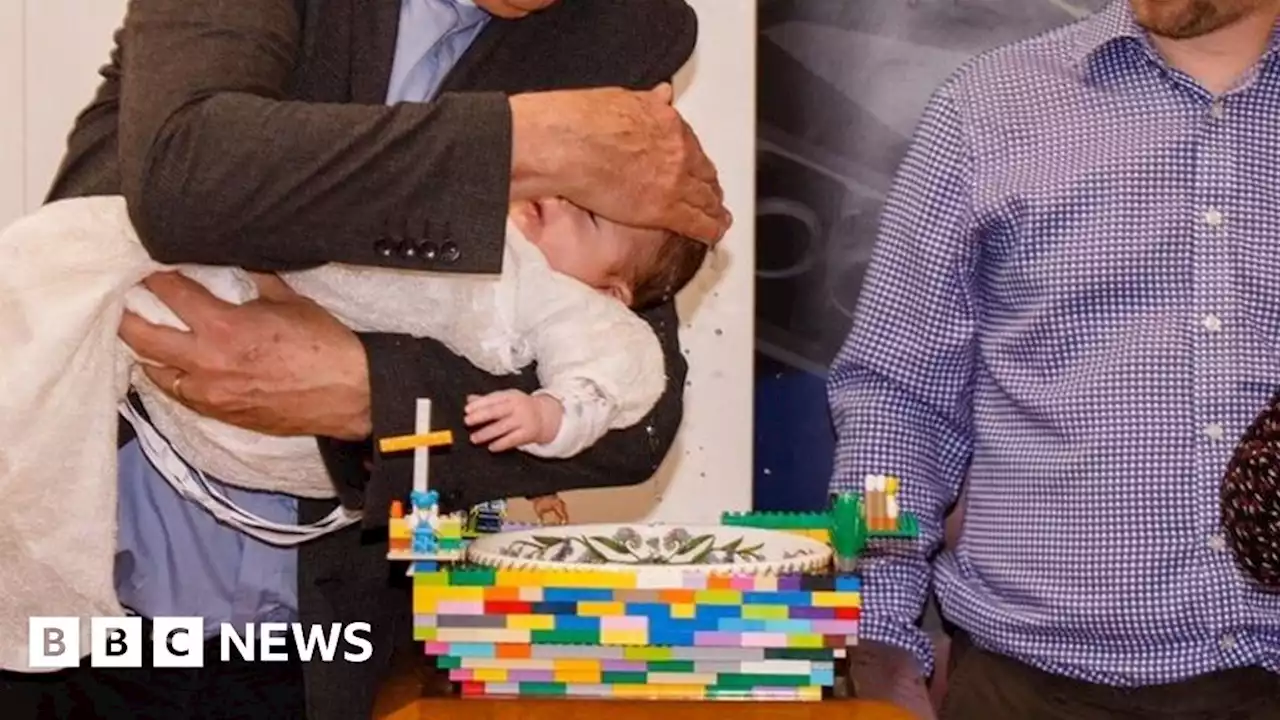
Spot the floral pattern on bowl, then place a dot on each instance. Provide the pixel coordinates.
(720, 549)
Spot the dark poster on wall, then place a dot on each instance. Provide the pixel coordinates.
(842, 84)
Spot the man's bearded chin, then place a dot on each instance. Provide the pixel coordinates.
(1186, 19)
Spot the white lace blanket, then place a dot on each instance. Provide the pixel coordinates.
(66, 275)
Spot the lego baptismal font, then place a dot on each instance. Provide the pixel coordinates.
(761, 607)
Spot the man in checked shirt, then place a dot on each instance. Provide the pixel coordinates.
(1074, 306)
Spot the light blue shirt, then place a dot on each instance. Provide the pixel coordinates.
(173, 558)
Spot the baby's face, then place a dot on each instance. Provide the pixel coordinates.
(582, 245)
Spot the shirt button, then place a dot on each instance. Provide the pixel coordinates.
(1218, 109)
(1227, 642)
(1213, 217)
(1212, 323)
(1214, 432)
(1217, 543)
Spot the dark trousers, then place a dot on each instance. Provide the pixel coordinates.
(987, 686)
(234, 690)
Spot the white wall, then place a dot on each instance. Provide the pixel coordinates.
(12, 117)
(50, 51)
(710, 470)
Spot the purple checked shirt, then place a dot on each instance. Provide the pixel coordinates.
(1075, 304)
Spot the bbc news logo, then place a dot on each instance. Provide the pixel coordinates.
(178, 642)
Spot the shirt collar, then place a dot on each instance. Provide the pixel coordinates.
(1114, 23)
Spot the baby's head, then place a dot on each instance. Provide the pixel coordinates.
(641, 267)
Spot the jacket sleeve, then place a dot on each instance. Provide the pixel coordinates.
(219, 168)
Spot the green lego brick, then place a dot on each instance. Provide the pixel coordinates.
(624, 678)
(450, 544)
(543, 689)
(449, 662)
(472, 576)
(672, 666)
(438, 578)
(814, 654)
(777, 520)
(746, 682)
(848, 527)
(565, 637)
(648, 653)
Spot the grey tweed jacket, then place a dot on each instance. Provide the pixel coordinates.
(252, 133)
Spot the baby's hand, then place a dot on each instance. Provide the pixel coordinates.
(512, 418)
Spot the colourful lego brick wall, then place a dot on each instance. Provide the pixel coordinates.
(655, 635)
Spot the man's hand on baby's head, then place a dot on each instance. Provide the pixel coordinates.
(509, 418)
(627, 155)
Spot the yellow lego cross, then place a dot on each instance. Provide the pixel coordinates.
(402, 443)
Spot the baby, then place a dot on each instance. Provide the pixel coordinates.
(564, 299)
(615, 259)
(638, 267)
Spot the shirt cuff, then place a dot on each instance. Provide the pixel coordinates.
(568, 439)
(893, 595)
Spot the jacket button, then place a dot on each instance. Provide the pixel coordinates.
(386, 247)
(426, 250)
(449, 252)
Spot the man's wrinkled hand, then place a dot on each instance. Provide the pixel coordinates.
(626, 155)
(279, 364)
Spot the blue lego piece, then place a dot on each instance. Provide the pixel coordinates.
(424, 514)
(424, 540)
(424, 499)
(848, 583)
(571, 622)
(575, 595)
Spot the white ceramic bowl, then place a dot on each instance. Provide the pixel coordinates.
(715, 549)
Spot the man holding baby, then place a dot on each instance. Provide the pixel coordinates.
(280, 135)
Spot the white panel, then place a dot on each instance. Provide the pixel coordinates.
(12, 157)
(710, 469)
(67, 41)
